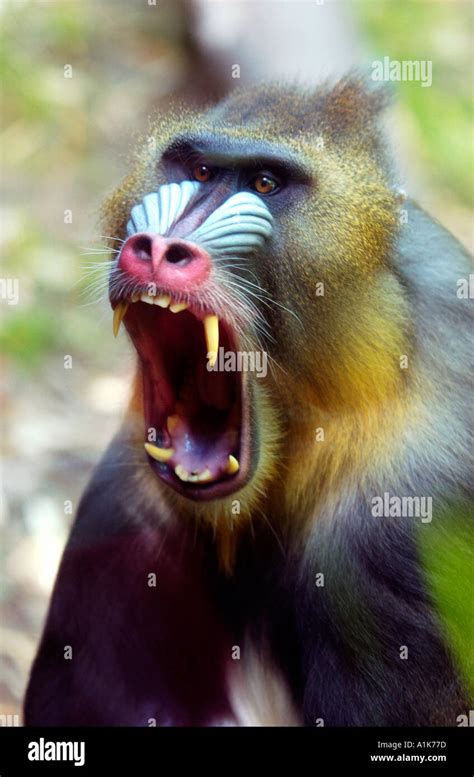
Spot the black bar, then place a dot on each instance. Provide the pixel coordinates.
(314, 752)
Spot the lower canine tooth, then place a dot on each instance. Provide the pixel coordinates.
(211, 332)
(159, 454)
(182, 473)
(177, 307)
(233, 465)
(119, 313)
(163, 300)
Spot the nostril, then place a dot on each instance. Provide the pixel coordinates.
(178, 254)
(141, 247)
(168, 262)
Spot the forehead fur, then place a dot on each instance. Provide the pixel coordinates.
(345, 112)
(344, 115)
(289, 109)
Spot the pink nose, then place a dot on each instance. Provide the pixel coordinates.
(167, 262)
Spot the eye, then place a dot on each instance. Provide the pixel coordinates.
(202, 173)
(263, 183)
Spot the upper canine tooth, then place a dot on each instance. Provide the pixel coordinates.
(159, 454)
(177, 307)
(119, 312)
(163, 300)
(211, 332)
(146, 298)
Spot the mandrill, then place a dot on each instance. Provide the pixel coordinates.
(289, 546)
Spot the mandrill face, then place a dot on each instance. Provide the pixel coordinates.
(228, 237)
(168, 288)
(186, 287)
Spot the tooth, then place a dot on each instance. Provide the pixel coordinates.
(211, 331)
(146, 298)
(119, 313)
(177, 307)
(199, 477)
(182, 473)
(163, 300)
(135, 297)
(172, 422)
(233, 465)
(159, 454)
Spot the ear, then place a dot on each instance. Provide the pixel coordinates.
(355, 102)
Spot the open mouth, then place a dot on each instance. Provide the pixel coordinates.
(197, 430)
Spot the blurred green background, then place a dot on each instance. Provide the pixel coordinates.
(65, 144)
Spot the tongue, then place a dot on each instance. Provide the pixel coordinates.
(202, 443)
